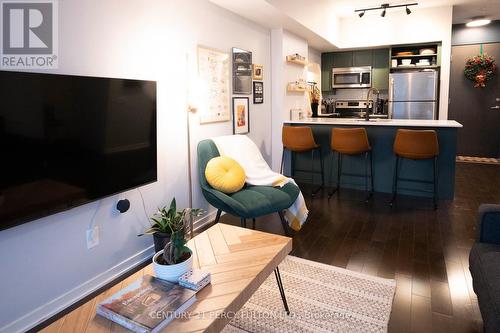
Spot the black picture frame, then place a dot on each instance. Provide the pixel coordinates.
(242, 71)
(241, 115)
(258, 92)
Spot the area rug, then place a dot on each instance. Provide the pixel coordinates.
(478, 160)
(321, 298)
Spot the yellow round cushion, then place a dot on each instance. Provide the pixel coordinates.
(225, 174)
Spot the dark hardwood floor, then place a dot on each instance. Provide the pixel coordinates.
(426, 251)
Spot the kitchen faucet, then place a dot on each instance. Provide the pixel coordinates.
(370, 93)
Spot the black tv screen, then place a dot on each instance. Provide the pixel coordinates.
(68, 140)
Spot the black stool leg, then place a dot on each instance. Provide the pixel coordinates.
(371, 172)
(253, 223)
(282, 290)
(316, 190)
(243, 222)
(322, 168)
(435, 175)
(395, 182)
(339, 168)
(368, 193)
(217, 217)
(282, 160)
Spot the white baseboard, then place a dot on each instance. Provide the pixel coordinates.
(62, 302)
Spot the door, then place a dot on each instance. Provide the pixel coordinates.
(475, 108)
(413, 110)
(413, 86)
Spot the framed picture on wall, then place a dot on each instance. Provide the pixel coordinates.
(241, 115)
(258, 72)
(242, 72)
(258, 92)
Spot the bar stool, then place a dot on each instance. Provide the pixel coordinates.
(416, 145)
(351, 141)
(300, 139)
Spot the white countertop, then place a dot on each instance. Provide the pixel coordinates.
(376, 122)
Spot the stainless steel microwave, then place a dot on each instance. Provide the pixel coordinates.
(352, 77)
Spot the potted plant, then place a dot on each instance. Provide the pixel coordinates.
(175, 258)
(163, 222)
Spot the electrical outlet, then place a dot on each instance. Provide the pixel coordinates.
(93, 237)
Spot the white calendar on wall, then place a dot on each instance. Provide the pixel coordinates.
(213, 72)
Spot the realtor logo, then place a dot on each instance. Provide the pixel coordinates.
(29, 34)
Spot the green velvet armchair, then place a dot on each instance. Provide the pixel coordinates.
(251, 201)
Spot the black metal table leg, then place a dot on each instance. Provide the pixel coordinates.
(282, 290)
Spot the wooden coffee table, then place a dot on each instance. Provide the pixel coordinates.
(239, 260)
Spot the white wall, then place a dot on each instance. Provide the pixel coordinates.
(423, 25)
(45, 263)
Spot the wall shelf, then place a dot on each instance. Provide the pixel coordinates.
(290, 59)
(415, 56)
(291, 88)
(414, 67)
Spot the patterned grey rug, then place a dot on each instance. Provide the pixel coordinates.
(321, 298)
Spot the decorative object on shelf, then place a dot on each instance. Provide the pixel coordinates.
(384, 8)
(297, 59)
(298, 86)
(258, 72)
(213, 72)
(314, 97)
(242, 72)
(166, 221)
(427, 51)
(241, 116)
(258, 92)
(480, 69)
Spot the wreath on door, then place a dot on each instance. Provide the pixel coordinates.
(480, 69)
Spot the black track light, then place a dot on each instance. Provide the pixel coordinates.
(361, 11)
(408, 11)
(383, 13)
(361, 14)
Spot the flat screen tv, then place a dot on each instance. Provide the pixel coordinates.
(67, 140)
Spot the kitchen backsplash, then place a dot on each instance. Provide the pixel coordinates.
(343, 94)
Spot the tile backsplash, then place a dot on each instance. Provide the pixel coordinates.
(343, 94)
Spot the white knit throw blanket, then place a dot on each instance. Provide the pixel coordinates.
(257, 172)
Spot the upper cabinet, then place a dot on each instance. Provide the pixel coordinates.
(378, 59)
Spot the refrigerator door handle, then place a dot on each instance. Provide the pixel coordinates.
(391, 97)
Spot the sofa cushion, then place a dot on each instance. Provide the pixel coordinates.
(484, 265)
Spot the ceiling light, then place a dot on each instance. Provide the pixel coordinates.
(478, 22)
(361, 11)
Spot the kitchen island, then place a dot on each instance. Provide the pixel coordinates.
(381, 134)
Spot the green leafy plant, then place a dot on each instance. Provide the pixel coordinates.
(173, 222)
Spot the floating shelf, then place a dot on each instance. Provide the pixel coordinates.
(296, 61)
(415, 56)
(291, 88)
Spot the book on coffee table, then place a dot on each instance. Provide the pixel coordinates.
(147, 305)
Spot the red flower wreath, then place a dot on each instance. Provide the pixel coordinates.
(480, 69)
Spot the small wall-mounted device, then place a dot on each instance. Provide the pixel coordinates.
(123, 205)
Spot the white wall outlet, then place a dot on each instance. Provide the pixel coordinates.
(93, 237)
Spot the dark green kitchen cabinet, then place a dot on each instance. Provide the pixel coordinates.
(380, 69)
(342, 59)
(326, 71)
(362, 58)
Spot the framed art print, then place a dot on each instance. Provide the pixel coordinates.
(258, 92)
(258, 72)
(241, 116)
(242, 72)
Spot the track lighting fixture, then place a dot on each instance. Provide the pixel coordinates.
(384, 8)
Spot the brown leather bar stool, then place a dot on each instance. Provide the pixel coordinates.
(351, 141)
(416, 145)
(300, 139)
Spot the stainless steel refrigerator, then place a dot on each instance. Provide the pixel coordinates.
(413, 95)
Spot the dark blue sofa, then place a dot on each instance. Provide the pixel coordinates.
(484, 265)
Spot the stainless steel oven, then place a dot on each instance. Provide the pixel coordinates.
(352, 77)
